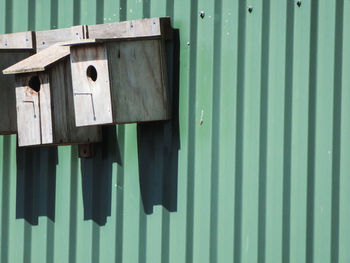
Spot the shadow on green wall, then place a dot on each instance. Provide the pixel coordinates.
(36, 183)
(96, 177)
(159, 143)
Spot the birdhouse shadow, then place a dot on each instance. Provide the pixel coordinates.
(159, 143)
(36, 183)
(96, 175)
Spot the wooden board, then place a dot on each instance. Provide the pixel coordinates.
(92, 100)
(28, 113)
(40, 61)
(8, 117)
(148, 27)
(58, 79)
(139, 81)
(17, 41)
(45, 109)
(45, 39)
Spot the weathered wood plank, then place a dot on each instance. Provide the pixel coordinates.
(58, 80)
(138, 81)
(40, 61)
(92, 99)
(45, 39)
(45, 109)
(28, 113)
(148, 27)
(17, 41)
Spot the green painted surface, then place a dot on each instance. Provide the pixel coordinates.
(263, 168)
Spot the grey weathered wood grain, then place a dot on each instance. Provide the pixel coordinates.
(28, 116)
(139, 85)
(58, 81)
(92, 100)
(45, 109)
(40, 61)
(17, 41)
(45, 39)
(148, 27)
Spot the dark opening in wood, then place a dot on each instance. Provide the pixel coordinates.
(34, 83)
(91, 73)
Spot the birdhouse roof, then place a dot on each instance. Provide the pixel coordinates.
(40, 61)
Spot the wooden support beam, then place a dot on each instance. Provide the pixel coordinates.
(44, 39)
(148, 28)
(17, 41)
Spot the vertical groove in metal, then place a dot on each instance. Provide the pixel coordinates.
(191, 130)
(311, 132)
(338, 69)
(263, 130)
(216, 118)
(263, 166)
(287, 130)
(239, 131)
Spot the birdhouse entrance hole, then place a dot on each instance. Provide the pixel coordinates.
(34, 83)
(91, 73)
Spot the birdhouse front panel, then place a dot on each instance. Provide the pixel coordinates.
(91, 85)
(32, 92)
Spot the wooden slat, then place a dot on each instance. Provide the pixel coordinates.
(149, 27)
(45, 109)
(28, 115)
(59, 102)
(39, 61)
(45, 39)
(17, 41)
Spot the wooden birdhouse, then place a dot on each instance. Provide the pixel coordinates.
(45, 110)
(13, 48)
(119, 81)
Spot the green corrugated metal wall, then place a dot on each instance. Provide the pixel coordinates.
(264, 178)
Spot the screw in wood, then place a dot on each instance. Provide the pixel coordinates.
(299, 3)
(250, 9)
(202, 14)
